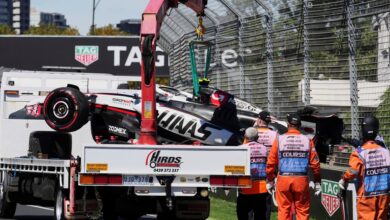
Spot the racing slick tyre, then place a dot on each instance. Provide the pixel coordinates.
(59, 205)
(66, 109)
(7, 208)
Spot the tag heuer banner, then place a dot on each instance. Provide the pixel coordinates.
(86, 54)
(105, 54)
(329, 199)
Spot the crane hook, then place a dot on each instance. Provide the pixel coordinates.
(200, 29)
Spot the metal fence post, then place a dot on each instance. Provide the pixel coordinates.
(270, 72)
(269, 54)
(241, 44)
(241, 60)
(306, 50)
(353, 71)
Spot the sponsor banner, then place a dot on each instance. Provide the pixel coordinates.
(86, 54)
(114, 55)
(329, 199)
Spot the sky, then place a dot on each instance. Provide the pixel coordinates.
(78, 13)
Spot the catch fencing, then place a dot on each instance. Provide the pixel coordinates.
(283, 55)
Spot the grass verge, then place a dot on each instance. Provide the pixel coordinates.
(224, 210)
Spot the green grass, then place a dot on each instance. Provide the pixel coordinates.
(223, 210)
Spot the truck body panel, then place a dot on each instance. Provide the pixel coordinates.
(20, 88)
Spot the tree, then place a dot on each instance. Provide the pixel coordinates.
(5, 29)
(382, 113)
(51, 30)
(107, 30)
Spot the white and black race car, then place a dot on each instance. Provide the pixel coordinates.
(218, 118)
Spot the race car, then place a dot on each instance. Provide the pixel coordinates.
(216, 118)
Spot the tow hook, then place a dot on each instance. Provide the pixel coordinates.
(167, 182)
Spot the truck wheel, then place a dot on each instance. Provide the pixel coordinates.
(7, 208)
(59, 205)
(66, 109)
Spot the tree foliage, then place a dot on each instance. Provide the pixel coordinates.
(107, 30)
(5, 29)
(382, 113)
(51, 30)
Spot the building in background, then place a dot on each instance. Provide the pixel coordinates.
(55, 19)
(21, 15)
(6, 12)
(16, 14)
(35, 17)
(131, 26)
(38, 18)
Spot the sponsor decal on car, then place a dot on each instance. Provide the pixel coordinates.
(117, 130)
(184, 125)
(34, 110)
(125, 102)
(161, 163)
(86, 54)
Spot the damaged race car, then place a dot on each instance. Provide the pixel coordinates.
(216, 118)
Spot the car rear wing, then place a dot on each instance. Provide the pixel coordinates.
(149, 166)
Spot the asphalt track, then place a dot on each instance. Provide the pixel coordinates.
(42, 213)
(33, 213)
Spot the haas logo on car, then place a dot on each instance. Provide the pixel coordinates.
(156, 160)
(190, 126)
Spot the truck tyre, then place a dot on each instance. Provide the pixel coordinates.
(66, 109)
(59, 205)
(7, 208)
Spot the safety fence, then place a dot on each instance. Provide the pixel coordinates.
(283, 55)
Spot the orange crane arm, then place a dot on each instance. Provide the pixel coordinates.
(152, 19)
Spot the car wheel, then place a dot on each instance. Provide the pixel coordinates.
(66, 109)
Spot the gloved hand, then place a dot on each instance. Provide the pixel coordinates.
(270, 186)
(342, 184)
(317, 188)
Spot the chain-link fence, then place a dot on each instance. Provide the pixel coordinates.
(283, 55)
